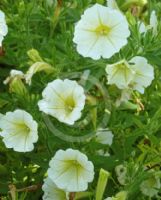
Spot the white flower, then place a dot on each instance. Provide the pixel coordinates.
(37, 67)
(112, 4)
(3, 27)
(120, 74)
(101, 32)
(151, 186)
(142, 27)
(52, 192)
(64, 100)
(14, 74)
(19, 130)
(70, 170)
(104, 136)
(153, 24)
(121, 173)
(135, 74)
(144, 73)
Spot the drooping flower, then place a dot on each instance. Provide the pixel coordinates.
(14, 74)
(3, 27)
(120, 74)
(70, 170)
(101, 32)
(37, 67)
(144, 73)
(151, 186)
(104, 136)
(51, 191)
(19, 130)
(64, 100)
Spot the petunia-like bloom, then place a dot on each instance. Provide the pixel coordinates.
(104, 136)
(37, 67)
(3, 27)
(14, 74)
(51, 191)
(64, 100)
(144, 73)
(70, 170)
(120, 74)
(151, 186)
(19, 130)
(101, 32)
(153, 24)
(135, 74)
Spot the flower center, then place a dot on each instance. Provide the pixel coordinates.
(102, 30)
(69, 104)
(23, 128)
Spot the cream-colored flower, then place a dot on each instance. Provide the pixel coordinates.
(136, 74)
(52, 192)
(153, 24)
(104, 136)
(64, 100)
(14, 74)
(144, 73)
(121, 173)
(19, 130)
(70, 170)
(101, 32)
(37, 67)
(3, 27)
(120, 74)
(151, 186)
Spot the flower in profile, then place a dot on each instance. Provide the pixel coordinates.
(151, 186)
(101, 32)
(144, 73)
(19, 130)
(104, 136)
(120, 74)
(136, 74)
(37, 67)
(14, 74)
(152, 26)
(154, 22)
(51, 191)
(3, 27)
(70, 170)
(64, 100)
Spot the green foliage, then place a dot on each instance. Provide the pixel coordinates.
(48, 28)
